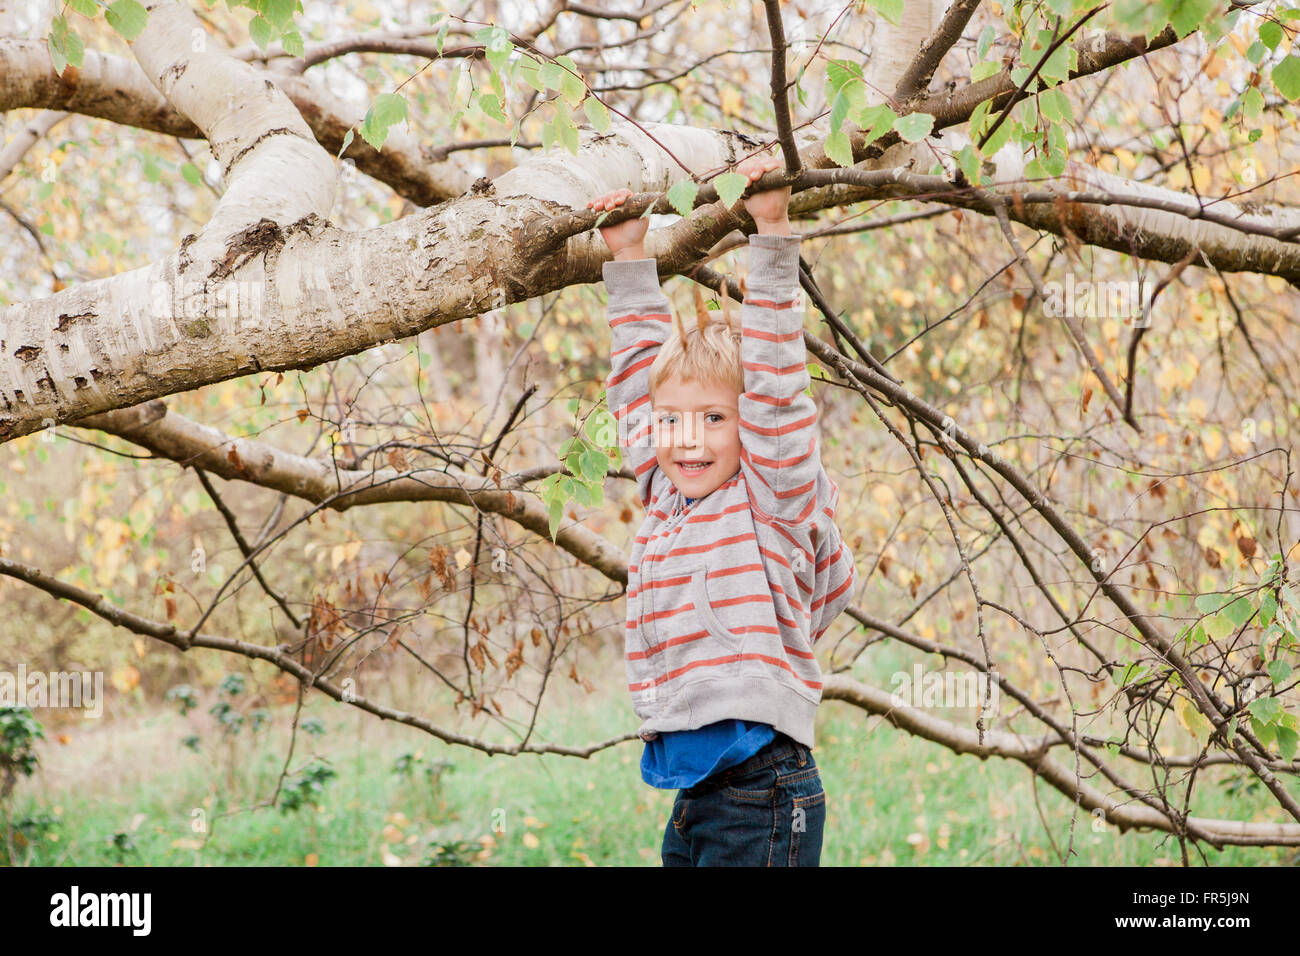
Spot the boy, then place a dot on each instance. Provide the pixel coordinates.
(738, 567)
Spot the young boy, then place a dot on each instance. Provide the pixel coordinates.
(738, 567)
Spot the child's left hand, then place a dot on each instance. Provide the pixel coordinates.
(769, 209)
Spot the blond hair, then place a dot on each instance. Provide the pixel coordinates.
(707, 352)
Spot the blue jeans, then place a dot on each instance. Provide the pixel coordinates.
(767, 811)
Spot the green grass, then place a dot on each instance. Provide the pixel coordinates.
(892, 799)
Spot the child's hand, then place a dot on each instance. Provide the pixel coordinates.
(626, 240)
(768, 209)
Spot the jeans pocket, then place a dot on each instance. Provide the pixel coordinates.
(757, 786)
(803, 801)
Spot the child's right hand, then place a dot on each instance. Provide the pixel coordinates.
(626, 240)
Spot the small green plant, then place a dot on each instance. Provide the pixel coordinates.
(307, 789)
(451, 846)
(120, 845)
(426, 795)
(186, 695)
(19, 731)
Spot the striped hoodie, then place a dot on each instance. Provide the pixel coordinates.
(727, 596)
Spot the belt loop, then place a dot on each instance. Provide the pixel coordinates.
(803, 754)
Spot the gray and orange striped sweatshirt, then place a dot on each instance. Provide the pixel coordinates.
(727, 597)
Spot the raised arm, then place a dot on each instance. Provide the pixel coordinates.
(778, 418)
(639, 323)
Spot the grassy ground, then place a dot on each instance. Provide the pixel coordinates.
(127, 790)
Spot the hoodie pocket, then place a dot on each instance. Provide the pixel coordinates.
(708, 617)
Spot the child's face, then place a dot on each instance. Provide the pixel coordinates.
(695, 422)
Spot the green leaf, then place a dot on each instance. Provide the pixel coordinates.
(347, 141)
(1055, 106)
(387, 110)
(530, 70)
(1265, 709)
(1187, 15)
(58, 52)
(914, 126)
(602, 428)
(877, 121)
(565, 132)
(1209, 603)
(279, 12)
(839, 110)
(572, 87)
(597, 114)
(891, 10)
(730, 186)
(682, 196)
(1239, 611)
(191, 174)
(1267, 608)
(1219, 626)
(550, 74)
(128, 18)
(983, 70)
(261, 32)
(1286, 742)
(838, 74)
(1263, 731)
(968, 161)
(1279, 671)
(1270, 34)
(839, 149)
(594, 465)
(292, 42)
(1286, 77)
(985, 41)
(490, 104)
(87, 8)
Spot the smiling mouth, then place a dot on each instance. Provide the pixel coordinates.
(689, 468)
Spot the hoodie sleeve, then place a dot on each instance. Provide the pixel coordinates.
(639, 323)
(778, 419)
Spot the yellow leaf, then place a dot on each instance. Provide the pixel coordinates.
(732, 102)
(1212, 439)
(464, 559)
(1168, 379)
(126, 678)
(531, 841)
(1211, 119)
(904, 297)
(1126, 158)
(1201, 177)
(1193, 720)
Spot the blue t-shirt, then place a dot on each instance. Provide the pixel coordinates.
(679, 759)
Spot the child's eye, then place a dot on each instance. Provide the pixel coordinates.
(716, 415)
